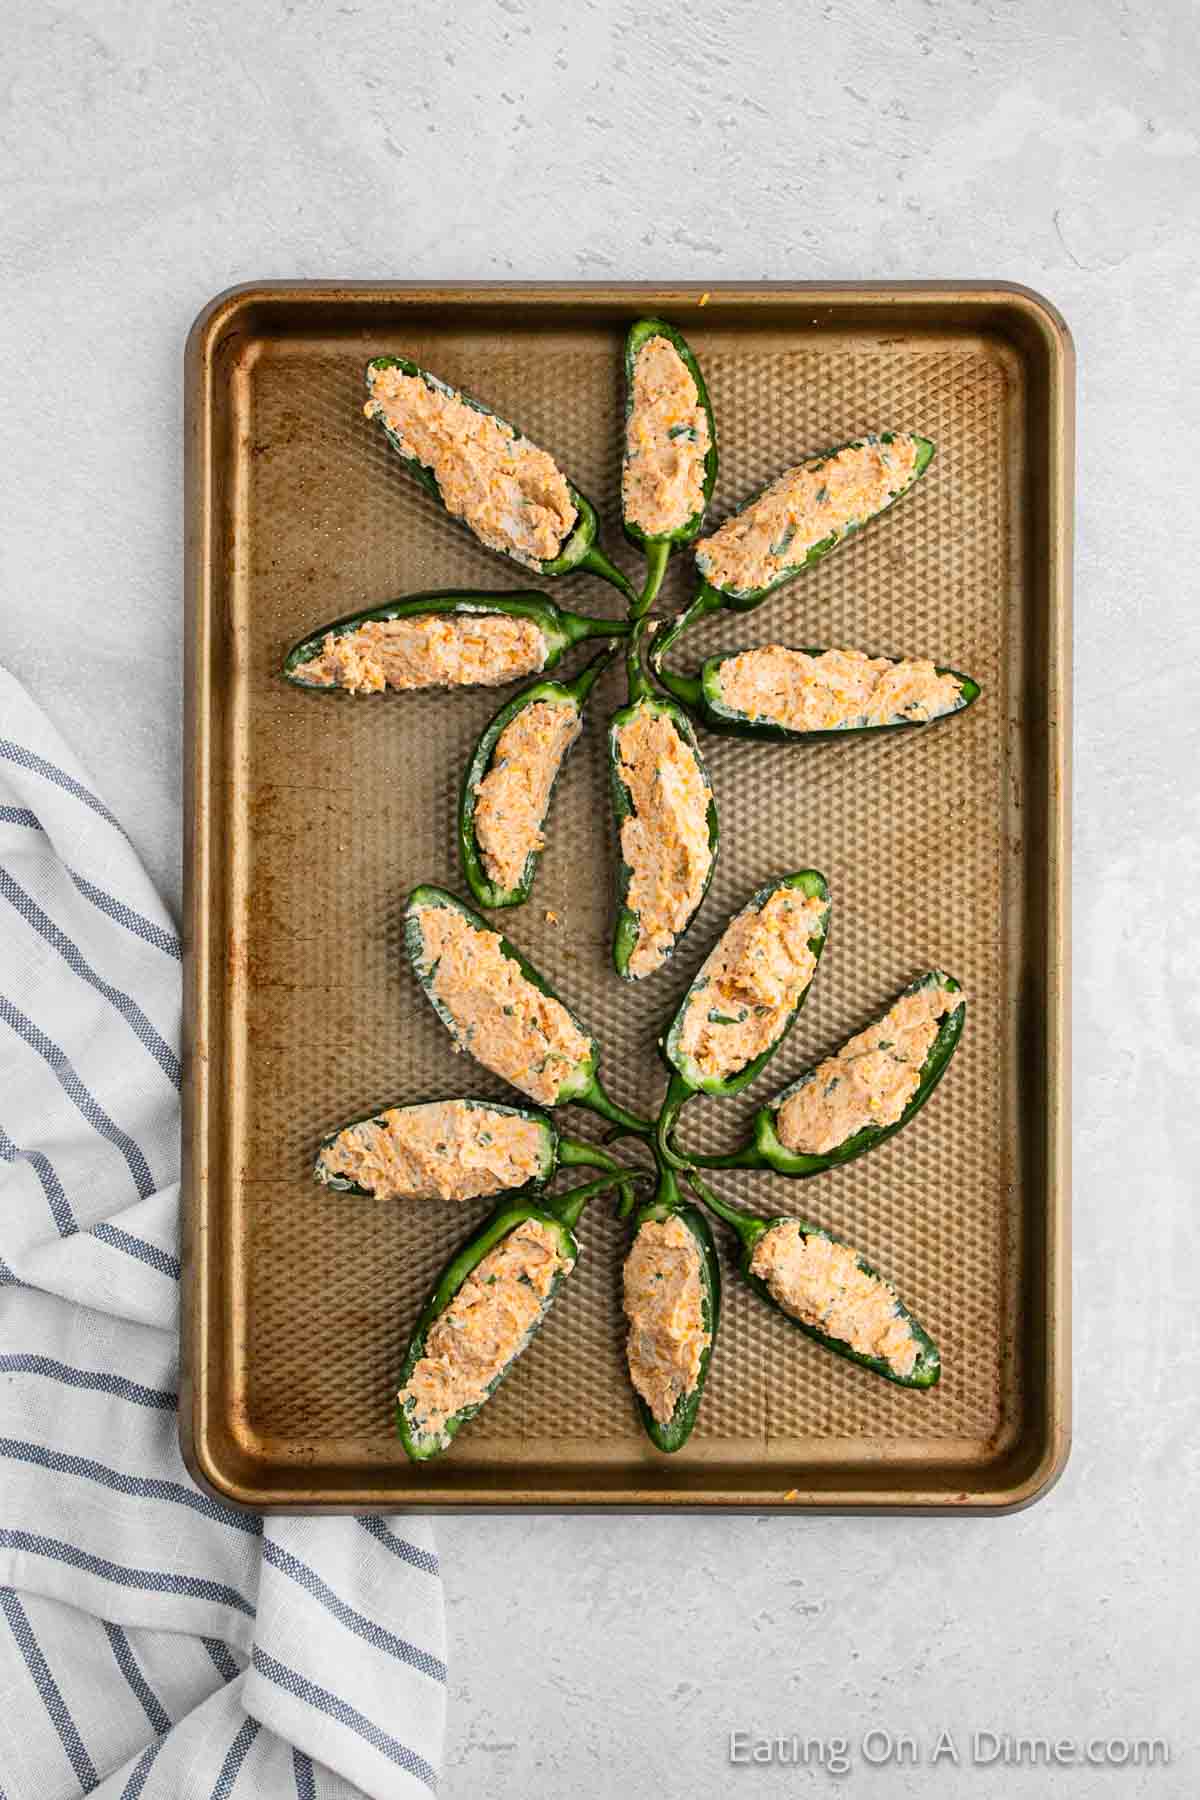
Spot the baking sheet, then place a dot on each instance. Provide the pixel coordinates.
(310, 818)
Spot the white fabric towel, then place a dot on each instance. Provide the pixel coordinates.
(154, 1644)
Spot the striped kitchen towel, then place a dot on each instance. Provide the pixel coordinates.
(154, 1643)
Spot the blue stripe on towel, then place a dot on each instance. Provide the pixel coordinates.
(122, 914)
(75, 1091)
(409, 1553)
(222, 1659)
(235, 1756)
(306, 1784)
(153, 1581)
(52, 1187)
(38, 765)
(367, 1629)
(99, 1381)
(127, 1662)
(140, 1770)
(39, 920)
(117, 1239)
(137, 1487)
(302, 1689)
(47, 1687)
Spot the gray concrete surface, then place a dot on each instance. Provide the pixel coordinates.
(151, 155)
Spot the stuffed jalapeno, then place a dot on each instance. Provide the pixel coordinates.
(486, 1307)
(509, 781)
(666, 821)
(829, 1292)
(787, 695)
(441, 640)
(512, 495)
(497, 1006)
(459, 1149)
(795, 521)
(862, 1095)
(669, 464)
(671, 1293)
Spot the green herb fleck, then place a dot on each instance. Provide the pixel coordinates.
(781, 544)
(683, 431)
(716, 1018)
(822, 495)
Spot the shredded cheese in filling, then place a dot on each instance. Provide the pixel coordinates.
(835, 690)
(666, 442)
(445, 1150)
(485, 1328)
(512, 495)
(871, 1079)
(751, 983)
(512, 798)
(816, 500)
(664, 1306)
(428, 651)
(821, 1284)
(664, 840)
(511, 1027)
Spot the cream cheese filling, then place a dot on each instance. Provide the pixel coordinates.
(818, 499)
(750, 983)
(871, 1079)
(445, 1150)
(664, 840)
(513, 496)
(666, 442)
(821, 1284)
(485, 1327)
(512, 799)
(526, 1037)
(663, 1298)
(835, 690)
(429, 650)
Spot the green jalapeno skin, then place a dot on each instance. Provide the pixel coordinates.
(582, 1086)
(560, 1216)
(764, 1150)
(746, 599)
(555, 1149)
(556, 693)
(750, 1227)
(642, 697)
(686, 1079)
(579, 551)
(560, 629)
(639, 334)
(669, 1203)
(627, 930)
(702, 692)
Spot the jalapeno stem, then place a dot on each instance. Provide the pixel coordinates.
(598, 564)
(638, 682)
(658, 555)
(585, 681)
(748, 1226)
(706, 601)
(747, 1157)
(678, 1093)
(573, 1153)
(578, 626)
(567, 1208)
(597, 1101)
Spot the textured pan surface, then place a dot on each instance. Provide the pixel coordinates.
(311, 817)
